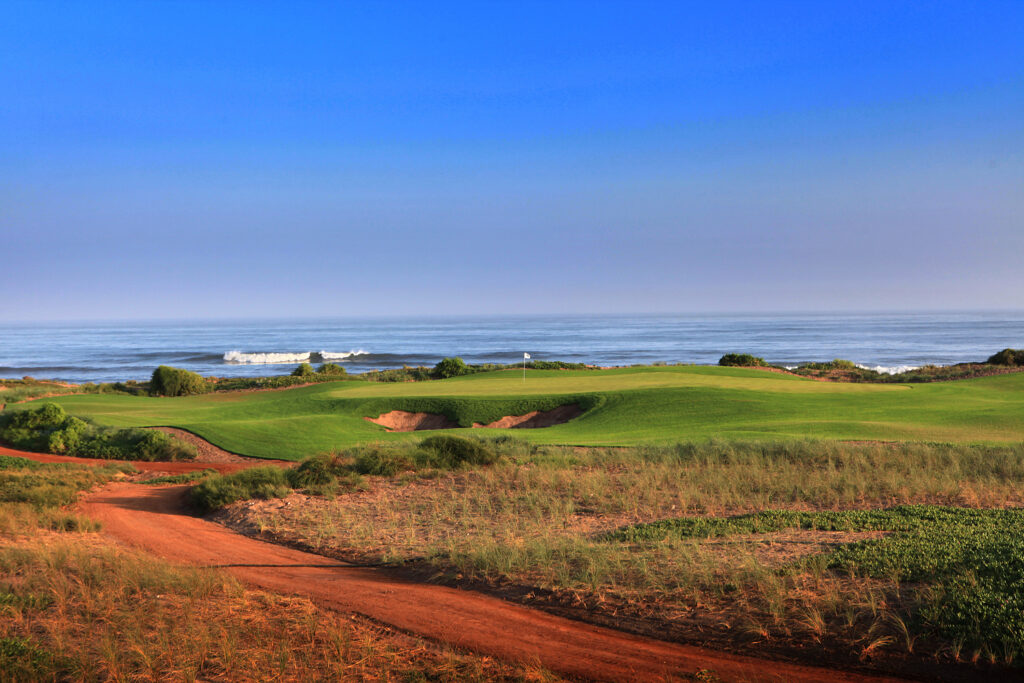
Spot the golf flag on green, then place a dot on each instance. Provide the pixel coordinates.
(525, 357)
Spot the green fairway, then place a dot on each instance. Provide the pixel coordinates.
(623, 406)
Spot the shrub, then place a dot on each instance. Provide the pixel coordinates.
(741, 360)
(324, 474)
(450, 367)
(48, 428)
(316, 471)
(168, 381)
(331, 369)
(1007, 357)
(450, 452)
(381, 460)
(304, 370)
(258, 482)
(403, 374)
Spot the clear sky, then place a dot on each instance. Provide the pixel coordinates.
(329, 159)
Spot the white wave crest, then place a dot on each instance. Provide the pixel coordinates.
(342, 355)
(266, 358)
(889, 369)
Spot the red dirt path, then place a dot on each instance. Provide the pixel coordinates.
(154, 518)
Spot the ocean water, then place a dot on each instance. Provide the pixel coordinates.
(110, 351)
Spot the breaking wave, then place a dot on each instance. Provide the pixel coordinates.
(283, 358)
(334, 355)
(889, 369)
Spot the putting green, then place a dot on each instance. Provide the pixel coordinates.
(625, 406)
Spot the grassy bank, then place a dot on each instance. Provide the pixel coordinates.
(626, 406)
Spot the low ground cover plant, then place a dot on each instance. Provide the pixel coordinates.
(49, 429)
(968, 563)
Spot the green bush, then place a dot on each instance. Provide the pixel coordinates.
(382, 460)
(303, 370)
(324, 474)
(403, 374)
(258, 482)
(1013, 357)
(331, 369)
(168, 381)
(48, 428)
(741, 360)
(450, 367)
(450, 452)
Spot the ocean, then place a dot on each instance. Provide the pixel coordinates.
(111, 351)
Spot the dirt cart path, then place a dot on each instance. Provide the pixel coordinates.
(154, 519)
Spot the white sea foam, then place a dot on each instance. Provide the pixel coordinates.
(283, 358)
(343, 355)
(889, 369)
(266, 358)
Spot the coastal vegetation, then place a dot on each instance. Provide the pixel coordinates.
(47, 428)
(1013, 357)
(76, 606)
(870, 552)
(743, 507)
(168, 381)
(741, 360)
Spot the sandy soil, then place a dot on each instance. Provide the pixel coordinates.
(403, 421)
(152, 518)
(535, 419)
(207, 451)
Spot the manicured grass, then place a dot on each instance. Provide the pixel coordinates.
(624, 406)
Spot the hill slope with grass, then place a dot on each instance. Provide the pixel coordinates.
(625, 406)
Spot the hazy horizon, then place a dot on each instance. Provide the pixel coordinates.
(238, 161)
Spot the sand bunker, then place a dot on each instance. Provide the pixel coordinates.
(404, 421)
(535, 419)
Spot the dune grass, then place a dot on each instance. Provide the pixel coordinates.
(626, 406)
(75, 607)
(653, 533)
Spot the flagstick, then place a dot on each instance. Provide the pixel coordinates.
(524, 369)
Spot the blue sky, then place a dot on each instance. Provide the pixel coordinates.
(292, 159)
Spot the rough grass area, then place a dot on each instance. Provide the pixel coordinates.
(570, 528)
(73, 607)
(969, 563)
(327, 474)
(77, 611)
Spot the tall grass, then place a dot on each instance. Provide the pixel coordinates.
(73, 607)
(88, 613)
(540, 516)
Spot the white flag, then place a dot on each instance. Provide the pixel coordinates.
(526, 356)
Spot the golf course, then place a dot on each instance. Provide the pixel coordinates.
(620, 407)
